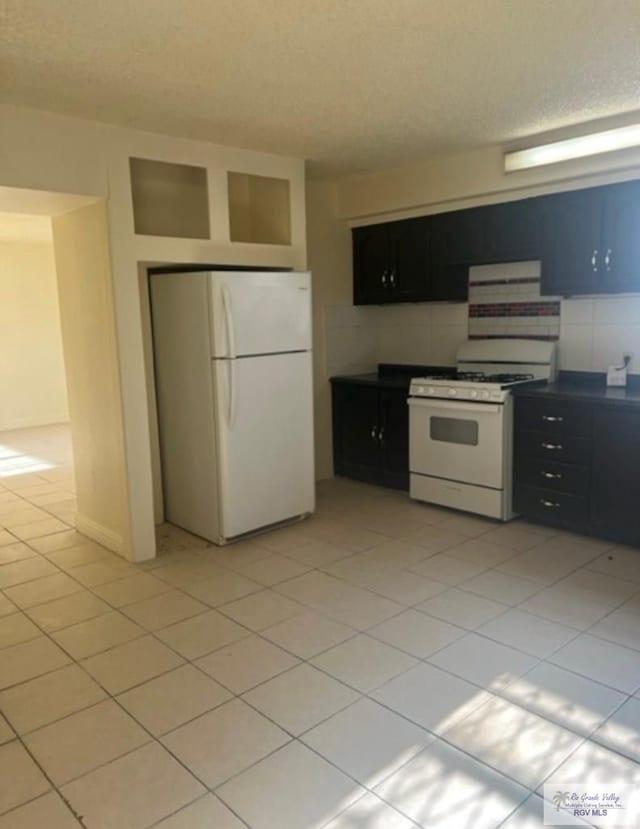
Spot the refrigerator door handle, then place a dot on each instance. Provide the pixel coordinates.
(231, 348)
(232, 393)
(228, 318)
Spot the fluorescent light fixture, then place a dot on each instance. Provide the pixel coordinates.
(585, 145)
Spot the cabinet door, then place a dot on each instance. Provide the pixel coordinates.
(409, 242)
(394, 438)
(455, 244)
(372, 264)
(615, 481)
(513, 231)
(620, 271)
(573, 240)
(356, 449)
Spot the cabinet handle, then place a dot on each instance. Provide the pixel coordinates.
(546, 503)
(594, 259)
(551, 445)
(374, 433)
(381, 436)
(392, 278)
(607, 259)
(383, 279)
(552, 419)
(554, 475)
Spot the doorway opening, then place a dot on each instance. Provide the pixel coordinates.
(62, 455)
(37, 482)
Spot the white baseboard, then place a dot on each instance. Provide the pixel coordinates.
(103, 535)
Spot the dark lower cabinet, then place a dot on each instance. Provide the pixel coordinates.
(371, 434)
(579, 467)
(615, 488)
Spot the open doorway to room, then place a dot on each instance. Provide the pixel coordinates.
(62, 455)
(36, 461)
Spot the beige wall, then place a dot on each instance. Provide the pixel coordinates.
(31, 362)
(43, 151)
(329, 259)
(91, 356)
(471, 178)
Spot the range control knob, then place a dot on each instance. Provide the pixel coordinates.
(420, 390)
(431, 390)
(473, 393)
(453, 393)
(485, 395)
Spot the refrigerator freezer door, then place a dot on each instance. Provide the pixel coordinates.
(265, 440)
(259, 313)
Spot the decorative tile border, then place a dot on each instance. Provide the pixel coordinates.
(505, 302)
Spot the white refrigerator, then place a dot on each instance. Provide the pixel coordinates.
(232, 355)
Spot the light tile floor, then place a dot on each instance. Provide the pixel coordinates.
(382, 665)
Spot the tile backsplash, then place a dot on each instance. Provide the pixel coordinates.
(505, 301)
(358, 338)
(594, 333)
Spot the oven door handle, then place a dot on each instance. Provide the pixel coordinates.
(438, 405)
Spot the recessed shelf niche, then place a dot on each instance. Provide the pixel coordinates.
(259, 209)
(169, 199)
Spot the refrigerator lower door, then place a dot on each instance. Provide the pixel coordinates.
(264, 420)
(259, 313)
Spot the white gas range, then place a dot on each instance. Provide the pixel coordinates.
(461, 426)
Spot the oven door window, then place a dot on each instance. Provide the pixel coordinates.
(454, 430)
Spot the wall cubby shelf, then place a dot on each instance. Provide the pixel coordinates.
(259, 209)
(169, 199)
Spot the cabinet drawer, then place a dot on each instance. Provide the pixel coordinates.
(561, 477)
(549, 505)
(556, 447)
(553, 417)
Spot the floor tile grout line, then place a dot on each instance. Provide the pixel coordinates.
(153, 738)
(208, 793)
(258, 633)
(52, 785)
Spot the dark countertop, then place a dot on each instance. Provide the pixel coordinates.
(587, 389)
(380, 380)
(391, 375)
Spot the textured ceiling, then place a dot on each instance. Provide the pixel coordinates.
(351, 85)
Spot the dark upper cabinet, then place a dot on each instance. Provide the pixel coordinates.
(616, 472)
(373, 261)
(588, 241)
(410, 242)
(593, 241)
(512, 231)
(573, 231)
(456, 243)
(411, 260)
(620, 261)
(390, 262)
(371, 434)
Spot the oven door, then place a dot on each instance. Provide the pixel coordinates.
(457, 441)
